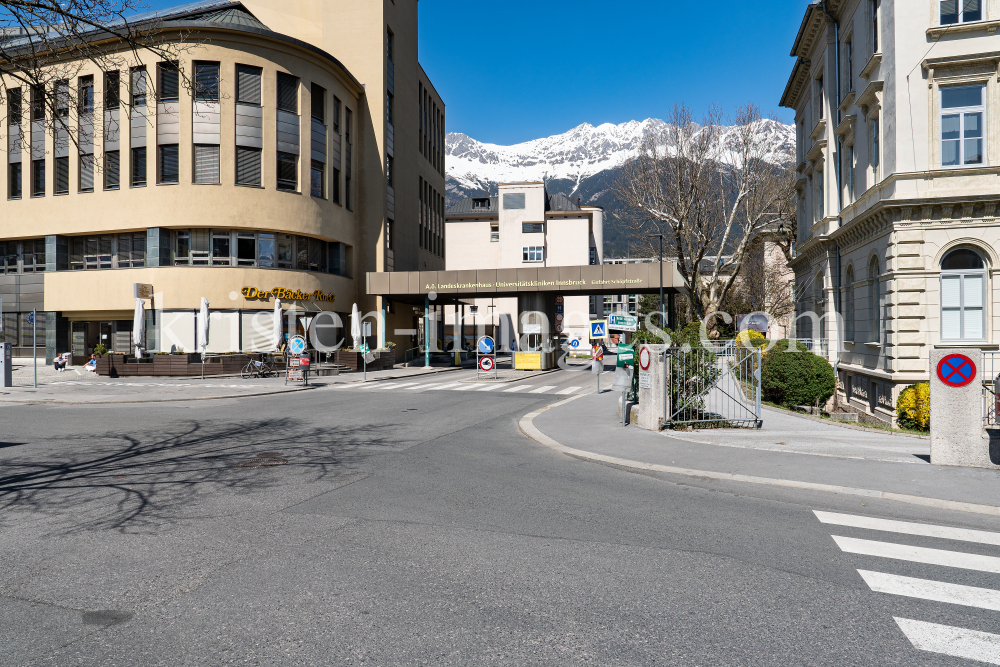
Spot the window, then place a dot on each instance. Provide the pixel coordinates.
(62, 99)
(287, 172)
(38, 178)
(317, 179)
(389, 45)
(347, 174)
(820, 102)
(85, 94)
(388, 108)
(8, 258)
(336, 115)
(192, 247)
(388, 170)
(389, 224)
(593, 256)
(265, 250)
(248, 84)
(182, 248)
(532, 227)
(38, 102)
(961, 11)
(849, 314)
(875, 5)
(317, 102)
(14, 180)
(138, 87)
(533, 253)
(87, 172)
(169, 164)
(481, 204)
(286, 251)
(963, 290)
(62, 176)
(14, 106)
(112, 163)
(138, 167)
(206, 164)
(131, 252)
(849, 64)
(962, 116)
(33, 256)
(248, 166)
(876, 146)
(336, 185)
(288, 99)
(170, 82)
(874, 330)
(92, 252)
(221, 253)
(513, 200)
(112, 94)
(850, 173)
(206, 82)
(494, 232)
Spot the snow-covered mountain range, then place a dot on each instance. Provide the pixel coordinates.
(583, 162)
(570, 158)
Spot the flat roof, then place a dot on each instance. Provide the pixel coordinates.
(414, 286)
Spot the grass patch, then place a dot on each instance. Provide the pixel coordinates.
(874, 427)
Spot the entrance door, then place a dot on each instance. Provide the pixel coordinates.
(78, 343)
(107, 335)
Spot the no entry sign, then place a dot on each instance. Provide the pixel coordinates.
(956, 370)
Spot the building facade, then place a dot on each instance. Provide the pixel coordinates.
(287, 151)
(898, 187)
(524, 227)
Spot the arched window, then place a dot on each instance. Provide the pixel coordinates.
(849, 324)
(963, 295)
(874, 331)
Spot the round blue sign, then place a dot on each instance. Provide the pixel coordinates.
(297, 345)
(575, 342)
(486, 345)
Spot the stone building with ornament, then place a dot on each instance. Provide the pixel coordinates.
(897, 120)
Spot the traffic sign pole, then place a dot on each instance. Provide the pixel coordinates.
(34, 344)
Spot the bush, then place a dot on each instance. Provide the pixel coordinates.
(797, 377)
(913, 408)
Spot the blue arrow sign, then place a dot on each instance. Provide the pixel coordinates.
(486, 345)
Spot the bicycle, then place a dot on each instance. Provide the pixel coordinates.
(259, 369)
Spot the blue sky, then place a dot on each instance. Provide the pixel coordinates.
(517, 70)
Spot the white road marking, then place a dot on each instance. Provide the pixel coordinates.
(406, 384)
(919, 554)
(380, 385)
(435, 387)
(489, 387)
(541, 390)
(938, 591)
(907, 528)
(518, 388)
(948, 640)
(569, 390)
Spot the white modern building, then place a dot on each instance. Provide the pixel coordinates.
(898, 134)
(523, 227)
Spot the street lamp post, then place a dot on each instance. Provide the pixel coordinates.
(663, 311)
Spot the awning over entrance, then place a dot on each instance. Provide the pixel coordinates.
(414, 286)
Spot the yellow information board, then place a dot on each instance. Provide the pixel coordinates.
(528, 361)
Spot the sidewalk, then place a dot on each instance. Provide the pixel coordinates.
(83, 388)
(841, 459)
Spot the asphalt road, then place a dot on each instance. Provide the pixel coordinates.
(418, 527)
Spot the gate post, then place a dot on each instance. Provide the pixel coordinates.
(651, 384)
(958, 436)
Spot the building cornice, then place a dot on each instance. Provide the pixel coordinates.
(936, 32)
(869, 97)
(873, 62)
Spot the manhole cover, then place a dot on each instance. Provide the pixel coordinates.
(261, 462)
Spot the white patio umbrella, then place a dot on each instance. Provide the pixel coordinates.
(276, 329)
(139, 327)
(203, 326)
(355, 325)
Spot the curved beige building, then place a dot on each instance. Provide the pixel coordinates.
(260, 163)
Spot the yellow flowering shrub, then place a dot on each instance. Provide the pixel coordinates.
(747, 337)
(913, 408)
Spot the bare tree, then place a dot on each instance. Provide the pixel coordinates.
(710, 190)
(46, 44)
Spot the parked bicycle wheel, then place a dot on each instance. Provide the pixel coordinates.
(248, 371)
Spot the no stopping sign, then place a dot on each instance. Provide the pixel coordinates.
(956, 370)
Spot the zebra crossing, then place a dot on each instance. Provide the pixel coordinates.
(414, 386)
(924, 636)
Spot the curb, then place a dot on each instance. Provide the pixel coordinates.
(527, 428)
(160, 400)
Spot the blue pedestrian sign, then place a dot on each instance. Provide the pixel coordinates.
(598, 329)
(486, 345)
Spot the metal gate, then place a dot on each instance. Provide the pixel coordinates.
(718, 386)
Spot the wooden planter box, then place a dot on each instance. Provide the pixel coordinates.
(172, 365)
(384, 359)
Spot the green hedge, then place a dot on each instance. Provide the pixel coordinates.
(796, 378)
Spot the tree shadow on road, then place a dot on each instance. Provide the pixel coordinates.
(140, 481)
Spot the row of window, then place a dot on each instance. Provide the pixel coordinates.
(962, 299)
(431, 131)
(22, 256)
(220, 247)
(431, 233)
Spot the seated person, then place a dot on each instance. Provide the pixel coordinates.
(91, 365)
(59, 363)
